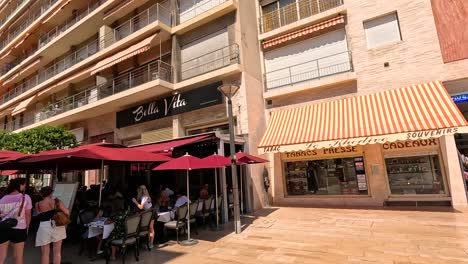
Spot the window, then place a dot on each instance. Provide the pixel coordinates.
(415, 175)
(341, 176)
(382, 30)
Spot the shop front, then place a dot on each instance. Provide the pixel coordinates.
(374, 150)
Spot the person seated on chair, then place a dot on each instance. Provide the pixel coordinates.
(118, 218)
(204, 194)
(99, 217)
(181, 200)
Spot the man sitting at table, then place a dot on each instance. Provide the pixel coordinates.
(181, 200)
(204, 192)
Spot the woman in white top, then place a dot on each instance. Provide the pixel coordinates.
(143, 202)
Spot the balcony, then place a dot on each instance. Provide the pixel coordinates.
(157, 70)
(58, 67)
(12, 11)
(58, 30)
(198, 8)
(310, 70)
(31, 17)
(210, 62)
(53, 34)
(295, 11)
(143, 19)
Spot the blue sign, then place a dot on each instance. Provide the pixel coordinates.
(460, 98)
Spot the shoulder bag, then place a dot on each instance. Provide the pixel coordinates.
(11, 222)
(60, 218)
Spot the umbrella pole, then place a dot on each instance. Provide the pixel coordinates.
(217, 227)
(189, 241)
(100, 182)
(241, 190)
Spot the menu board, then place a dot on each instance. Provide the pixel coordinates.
(360, 174)
(66, 192)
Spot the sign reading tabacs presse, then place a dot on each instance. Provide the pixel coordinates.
(172, 105)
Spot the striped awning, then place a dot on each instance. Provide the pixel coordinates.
(304, 31)
(415, 112)
(127, 53)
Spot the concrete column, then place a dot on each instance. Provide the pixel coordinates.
(106, 37)
(177, 127)
(375, 173)
(176, 58)
(453, 172)
(175, 13)
(222, 182)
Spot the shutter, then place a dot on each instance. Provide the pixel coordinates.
(307, 59)
(157, 135)
(382, 30)
(204, 53)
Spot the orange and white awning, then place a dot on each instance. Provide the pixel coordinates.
(303, 32)
(127, 53)
(415, 112)
(21, 107)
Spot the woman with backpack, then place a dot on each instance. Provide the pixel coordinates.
(15, 214)
(51, 229)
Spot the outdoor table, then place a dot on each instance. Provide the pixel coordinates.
(166, 216)
(99, 227)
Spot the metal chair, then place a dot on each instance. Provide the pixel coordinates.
(85, 217)
(208, 208)
(132, 224)
(179, 223)
(193, 219)
(145, 222)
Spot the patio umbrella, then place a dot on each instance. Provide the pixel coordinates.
(218, 162)
(89, 156)
(187, 163)
(243, 158)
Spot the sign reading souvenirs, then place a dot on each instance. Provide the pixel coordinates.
(428, 134)
(171, 105)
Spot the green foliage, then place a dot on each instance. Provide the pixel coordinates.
(37, 139)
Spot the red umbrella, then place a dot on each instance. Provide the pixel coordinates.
(188, 163)
(244, 158)
(218, 162)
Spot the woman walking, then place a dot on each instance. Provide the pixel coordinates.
(14, 205)
(48, 232)
(143, 202)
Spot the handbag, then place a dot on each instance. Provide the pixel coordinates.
(60, 218)
(11, 222)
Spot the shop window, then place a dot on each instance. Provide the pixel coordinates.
(415, 175)
(382, 30)
(224, 129)
(342, 176)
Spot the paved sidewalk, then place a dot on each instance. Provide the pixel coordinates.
(317, 235)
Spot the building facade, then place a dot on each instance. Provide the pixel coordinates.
(133, 72)
(341, 79)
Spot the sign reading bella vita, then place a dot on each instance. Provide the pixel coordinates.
(172, 105)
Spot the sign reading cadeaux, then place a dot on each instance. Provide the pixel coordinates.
(172, 105)
(432, 142)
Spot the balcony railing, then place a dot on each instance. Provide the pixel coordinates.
(12, 11)
(314, 69)
(143, 74)
(58, 30)
(150, 15)
(58, 67)
(211, 61)
(52, 34)
(198, 7)
(156, 12)
(32, 16)
(295, 11)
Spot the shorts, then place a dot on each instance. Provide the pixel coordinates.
(13, 235)
(49, 233)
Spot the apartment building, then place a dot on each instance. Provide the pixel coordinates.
(134, 72)
(357, 98)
